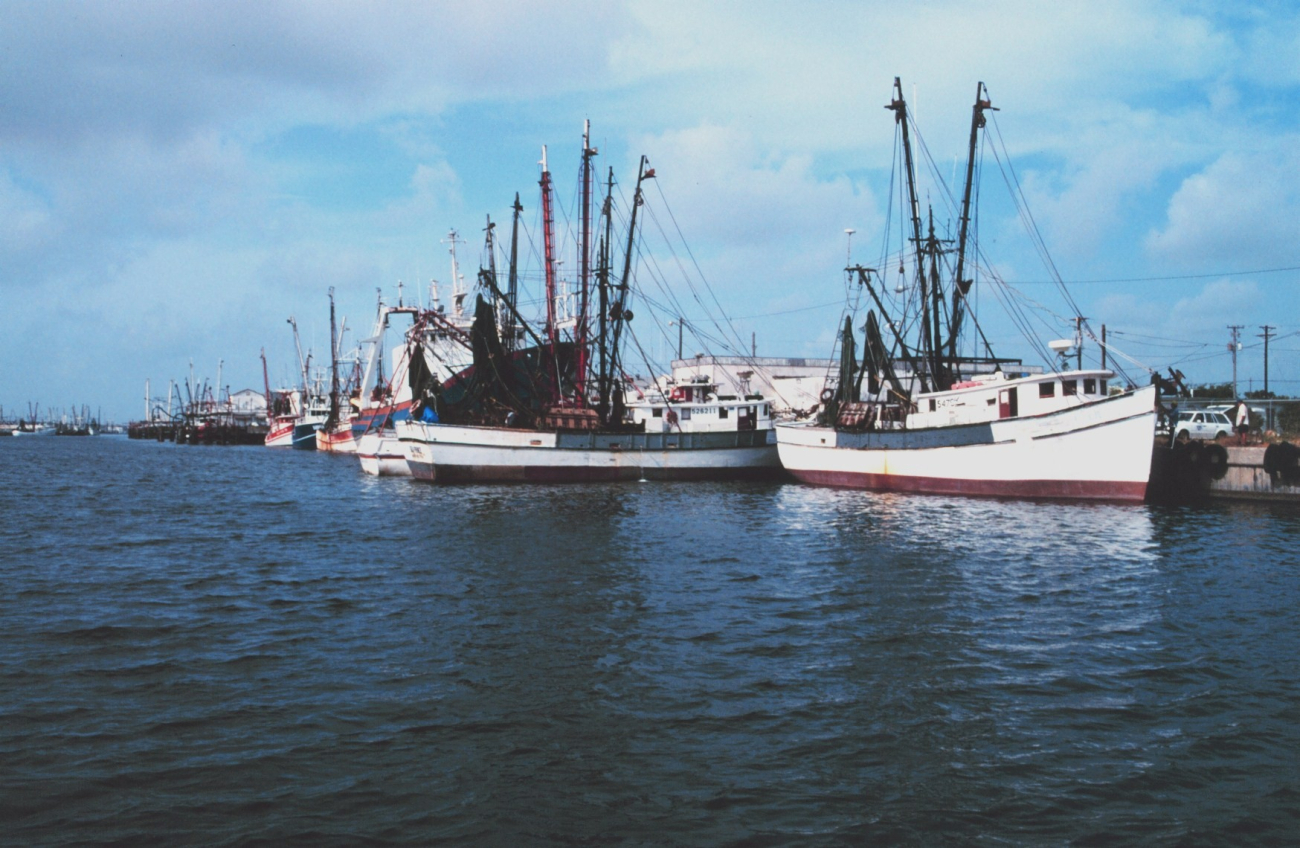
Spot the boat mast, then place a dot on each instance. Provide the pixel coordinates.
(512, 290)
(584, 265)
(940, 373)
(266, 385)
(864, 277)
(619, 314)
(899, 108)
(334, 368)
(374, 373)
(490, 245)
(457, 280)
(606, 243)
(302, 363)
(961, 285)
(548, 242)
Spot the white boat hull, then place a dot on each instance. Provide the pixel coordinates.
(453, 453)
(42, 431)
(281, 433)
(1097, 451)
(382, 455)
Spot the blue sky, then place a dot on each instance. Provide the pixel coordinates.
(177, 179)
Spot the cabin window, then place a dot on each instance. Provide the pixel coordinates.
(658, 412)
(932, 407)
(722, 412)
(1103, 387)
(1089, 386)
(1069, 387)
(1046, 390)
(686, 414)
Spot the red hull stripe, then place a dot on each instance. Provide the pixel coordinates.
(1047, 489)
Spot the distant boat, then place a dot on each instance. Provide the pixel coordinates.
(335, 433)
(29, 428)
(294, 415)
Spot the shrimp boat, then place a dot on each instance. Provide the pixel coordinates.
(706, 437)
(283, 409)
(932, 425)
(443, 337)
(335, 433)
(293, 423)
(557, 405)
(294, 415)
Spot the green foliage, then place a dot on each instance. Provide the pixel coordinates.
(1286, 418)
(1219, 391)
(1261, 395)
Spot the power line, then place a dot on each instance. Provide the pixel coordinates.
(1161, 279)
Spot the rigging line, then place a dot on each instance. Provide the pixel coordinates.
(713, 342)
(790, 311)
(651, 267)
(1131, 335)
(1019, 319)
(935, 173)
(1195, 346)
(1009, 296)
(719, 326)
(695, 263)
(1202, 357)
(889, 218)
(650, 369)
(1052, 269)
(1168, 278)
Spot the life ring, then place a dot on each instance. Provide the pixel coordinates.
(677, 394)
(828, 395)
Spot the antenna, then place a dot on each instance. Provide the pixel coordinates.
(848, 259)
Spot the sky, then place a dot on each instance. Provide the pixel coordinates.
(177, 179)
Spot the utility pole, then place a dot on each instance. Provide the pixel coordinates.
(1234, 346)
(1103, 347)
(1268, 334)
(1078, 342)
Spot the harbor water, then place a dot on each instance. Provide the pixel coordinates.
(243, 646)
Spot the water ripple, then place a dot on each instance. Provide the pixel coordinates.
(246, 647)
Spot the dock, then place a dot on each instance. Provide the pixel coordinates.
(1260, 472)
(1196, 471)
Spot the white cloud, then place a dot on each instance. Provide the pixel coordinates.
(25, 224)
(1241, 211)
(135, 137)
(1212, 308)
(766, 229)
